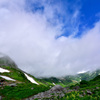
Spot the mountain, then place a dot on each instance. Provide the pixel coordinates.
(63, 81)
(71, 79)
(16, 84)
(7, 61)
(85, 90)
(89, 75)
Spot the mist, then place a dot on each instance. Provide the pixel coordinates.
(34, 39)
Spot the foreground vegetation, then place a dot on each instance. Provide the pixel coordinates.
(86, 90)
(21, 91)
(24, 88)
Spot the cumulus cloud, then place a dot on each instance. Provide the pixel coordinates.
(28, 36)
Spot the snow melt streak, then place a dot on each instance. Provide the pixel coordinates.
(7, 78)
(31, 79)
(3, 70)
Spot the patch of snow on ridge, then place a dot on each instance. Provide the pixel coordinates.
(31, 79)
(83, 71)
(54, 84)
(7, 78)
(3, 70)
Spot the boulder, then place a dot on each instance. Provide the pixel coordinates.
(0, 97)
(89, 92)
(97, 87)
(76, 87)
(57, 88)
(13, 85)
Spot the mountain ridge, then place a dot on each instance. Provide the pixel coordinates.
(27, 85)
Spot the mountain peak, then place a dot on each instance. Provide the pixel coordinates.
(7, 61)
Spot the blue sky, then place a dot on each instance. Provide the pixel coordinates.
(51, 37)
(89, 13)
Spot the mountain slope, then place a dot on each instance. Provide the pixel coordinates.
(7, 61)
(17, 84)
(71, 79)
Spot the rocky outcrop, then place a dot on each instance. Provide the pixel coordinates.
(55, 91)
(0, 97)
(76, 87)
(13, 85)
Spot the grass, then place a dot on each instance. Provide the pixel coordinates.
(24, 87)
(21, 91)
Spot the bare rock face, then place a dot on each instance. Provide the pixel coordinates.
(57, 88)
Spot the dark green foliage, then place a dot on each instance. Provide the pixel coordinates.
(89, 90)
(22, 91)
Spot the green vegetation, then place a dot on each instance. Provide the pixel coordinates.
(21, 91)
(66, 81)
(15, 74)
(88, 90)
(24, 87)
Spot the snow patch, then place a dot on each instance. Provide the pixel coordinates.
(7, 78)
(81, 72)
(31, 79)
(3, 70)
(54, 84)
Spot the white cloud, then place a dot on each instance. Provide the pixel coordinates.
(29, 39)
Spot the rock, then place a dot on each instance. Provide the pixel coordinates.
(76, 87)
(13, 85)
(67, 87)
(0, 97)
(80, 95)
(84, 93)
(55, 91)
(97, 87)
(2, 80)
(32, 88)
(89, 92)
(57, 88)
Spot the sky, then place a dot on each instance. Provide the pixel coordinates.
(51, 37)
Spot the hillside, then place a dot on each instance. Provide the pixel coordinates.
(16, 84)
(71, 79)
(85, 90)
(7, 61)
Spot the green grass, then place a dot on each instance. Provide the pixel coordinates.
(81, 94)
(21, 91)
(24, 87)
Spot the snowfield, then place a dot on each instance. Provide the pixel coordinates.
(31, 79)
(3, 70)
(7, 78)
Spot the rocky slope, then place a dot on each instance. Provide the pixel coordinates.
(85, 90)
(15, 83)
